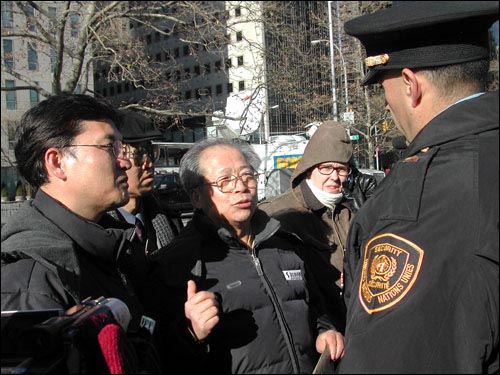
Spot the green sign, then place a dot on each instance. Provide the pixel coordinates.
(355, 137)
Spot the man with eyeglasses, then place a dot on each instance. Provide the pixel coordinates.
(316, 209)
(156, 225)
(236, 293)
(61, 248)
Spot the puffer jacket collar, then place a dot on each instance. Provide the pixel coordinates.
(263, 227)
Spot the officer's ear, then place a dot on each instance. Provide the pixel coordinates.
(413, 86)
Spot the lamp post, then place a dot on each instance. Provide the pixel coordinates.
(332, 64)
(346, 95)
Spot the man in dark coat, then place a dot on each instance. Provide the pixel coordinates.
(156, 225)
(421, 266)
(61, 248)
(238, 296)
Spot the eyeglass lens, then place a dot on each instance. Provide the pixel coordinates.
(141, 154)
(328, 169)
(227, 184)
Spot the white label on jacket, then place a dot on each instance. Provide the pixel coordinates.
(293, 275)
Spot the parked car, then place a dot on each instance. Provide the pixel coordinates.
(171, 193)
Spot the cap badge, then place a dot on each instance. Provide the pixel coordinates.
(376, 60)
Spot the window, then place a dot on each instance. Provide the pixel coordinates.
(53, 14)
(119, 88)
(185, 50)
(34, 97)
(10, 96)
(229, 64)
(7, 18)
(158, 56)
(8, 57)
(11, 135)
(237, 11)
(29, 16)
(240, 60)
(197, 70)
(218, 89)
(74, 20)
(239, 36)
(241, 85)
(53, 59)
(229, 87)
(187, 72)
(217, 66)
(187, 94)
(32, 57)
(148, 39)
(157, 36)
(207, 68)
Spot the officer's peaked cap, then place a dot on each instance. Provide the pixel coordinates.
(422, 34)
(137, 128)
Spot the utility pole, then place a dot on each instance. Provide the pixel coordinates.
(332, 62)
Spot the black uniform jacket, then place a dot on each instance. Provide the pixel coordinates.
(421, 266)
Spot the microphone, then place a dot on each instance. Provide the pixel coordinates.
(399, 142)
(48, 337)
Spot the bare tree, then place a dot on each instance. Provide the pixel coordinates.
(110, 41)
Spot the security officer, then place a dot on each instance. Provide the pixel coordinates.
(421, 268)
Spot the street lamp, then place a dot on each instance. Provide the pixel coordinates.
(346, 95)
(332, 64)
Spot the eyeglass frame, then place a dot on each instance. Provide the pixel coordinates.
(149, 151)
(333, 168)
(109, 146)
(234, 180)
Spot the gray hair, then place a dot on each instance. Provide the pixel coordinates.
(190, 172)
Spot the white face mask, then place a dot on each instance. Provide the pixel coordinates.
(329, 200)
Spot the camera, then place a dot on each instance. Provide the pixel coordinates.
(48, 341)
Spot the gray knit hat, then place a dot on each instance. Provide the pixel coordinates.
(329, 143)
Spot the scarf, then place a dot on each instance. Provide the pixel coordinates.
(327, 199)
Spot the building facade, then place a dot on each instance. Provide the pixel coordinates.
(29, 59)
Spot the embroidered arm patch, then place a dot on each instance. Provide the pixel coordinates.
(390, 268)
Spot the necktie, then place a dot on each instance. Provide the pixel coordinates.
(140, 231)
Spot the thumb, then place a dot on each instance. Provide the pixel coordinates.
(191, 289)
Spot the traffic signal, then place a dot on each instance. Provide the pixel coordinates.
(385, 126)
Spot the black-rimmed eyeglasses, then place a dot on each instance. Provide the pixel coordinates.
(227, 184)
(141, 153)
(116, 148)
(327, 169)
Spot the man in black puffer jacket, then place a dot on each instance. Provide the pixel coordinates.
(238, 294)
